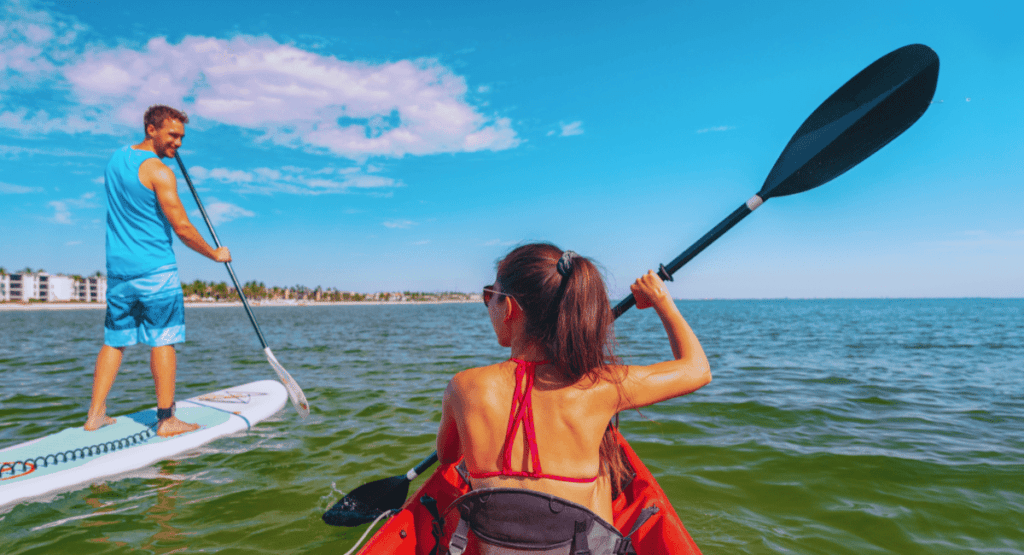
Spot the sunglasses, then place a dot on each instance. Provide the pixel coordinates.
(489, 293)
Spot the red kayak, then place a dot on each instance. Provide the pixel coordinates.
(410, 532)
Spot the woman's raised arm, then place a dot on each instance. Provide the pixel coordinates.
(687, 372)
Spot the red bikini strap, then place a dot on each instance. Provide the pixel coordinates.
(522, 413)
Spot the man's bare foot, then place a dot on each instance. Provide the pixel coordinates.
(93, 423)
(172, 427)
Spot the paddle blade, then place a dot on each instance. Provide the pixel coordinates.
(295, 393)
(368, 501)
(865, 114)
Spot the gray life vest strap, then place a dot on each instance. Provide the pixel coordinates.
(527, 520)
(460, 539)
(625, 545)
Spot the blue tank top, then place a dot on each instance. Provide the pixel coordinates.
(139, 237)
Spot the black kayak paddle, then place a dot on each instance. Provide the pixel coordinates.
(865, 114)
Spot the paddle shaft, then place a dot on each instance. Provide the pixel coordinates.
(423, 466)
(216, 241)
(666, 272)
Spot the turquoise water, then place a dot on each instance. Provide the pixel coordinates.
(832, 427)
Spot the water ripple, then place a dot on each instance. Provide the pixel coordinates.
(833, 427)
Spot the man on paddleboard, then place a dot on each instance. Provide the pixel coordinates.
(145, 303)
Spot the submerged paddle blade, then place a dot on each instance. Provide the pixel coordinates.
(295, 393)
(368, 501)
(865, 114)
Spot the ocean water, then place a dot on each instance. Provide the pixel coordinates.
(831, 426)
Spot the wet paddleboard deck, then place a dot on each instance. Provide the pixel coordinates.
(411, 531)
(74, 456)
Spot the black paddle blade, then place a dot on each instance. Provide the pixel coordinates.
(865, 114)
(368, 501)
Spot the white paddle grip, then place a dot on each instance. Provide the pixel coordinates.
(754, 202)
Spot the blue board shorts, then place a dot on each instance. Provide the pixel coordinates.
(148, 309)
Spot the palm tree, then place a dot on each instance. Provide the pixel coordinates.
(255, 290)
(220, 290)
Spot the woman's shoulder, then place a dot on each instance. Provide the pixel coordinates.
(610, 375)
(479, 384)
(482, 372)
(480, 376)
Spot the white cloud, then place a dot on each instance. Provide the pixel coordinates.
(570, 129)
(32, 43)
(715, 129)
(295, 180)
(231, 176)
(11, 189)
(289, 96)
(15, 152)
(62, 208)
(221, 212)
(61, 213)
(399, 224)
(41, 122)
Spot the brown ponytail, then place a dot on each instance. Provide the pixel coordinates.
(569, 314)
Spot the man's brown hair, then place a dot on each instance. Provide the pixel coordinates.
(156, 115)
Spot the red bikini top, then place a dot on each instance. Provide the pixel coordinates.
(521, 415)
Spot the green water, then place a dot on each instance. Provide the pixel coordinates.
(831, 427)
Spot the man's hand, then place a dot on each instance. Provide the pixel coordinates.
(222, 254)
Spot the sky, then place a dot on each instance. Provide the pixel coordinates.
(408, 145)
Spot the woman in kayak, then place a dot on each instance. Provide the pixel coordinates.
(565, 384)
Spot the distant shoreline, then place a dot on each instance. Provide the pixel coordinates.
(15, 307)
(201, 304)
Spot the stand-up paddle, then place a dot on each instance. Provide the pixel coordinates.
(295, 393)
(865, 114)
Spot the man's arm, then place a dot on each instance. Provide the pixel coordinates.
(161, 179)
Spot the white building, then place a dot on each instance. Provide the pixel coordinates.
(91, 289)
(41, 286)
(20, 287)
(59, 288)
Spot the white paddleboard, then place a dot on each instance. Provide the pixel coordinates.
(74, 456)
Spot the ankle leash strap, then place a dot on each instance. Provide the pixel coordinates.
(164, 414)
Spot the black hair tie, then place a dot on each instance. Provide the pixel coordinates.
(565, 263)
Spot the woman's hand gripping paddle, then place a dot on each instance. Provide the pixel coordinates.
(865, 114)
(295, 393)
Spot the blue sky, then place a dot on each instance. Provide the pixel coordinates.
(408, 145)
